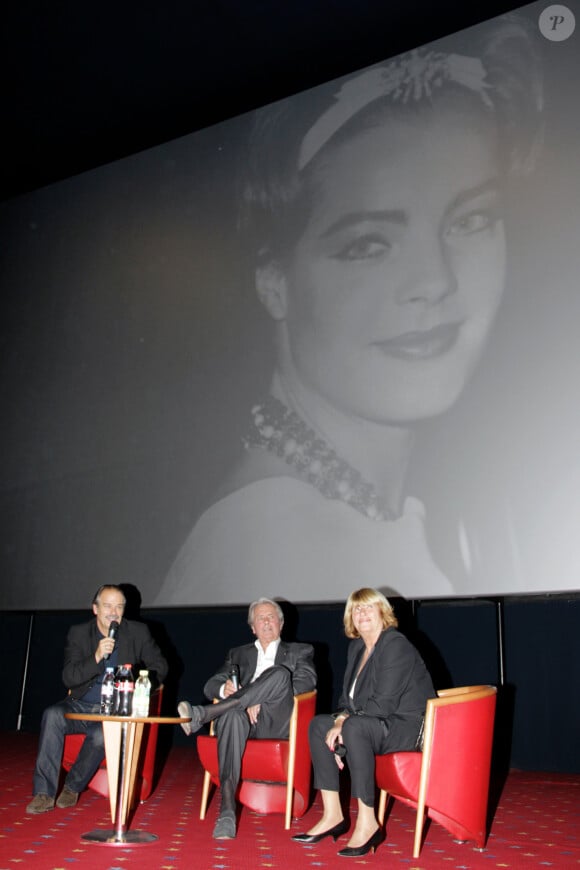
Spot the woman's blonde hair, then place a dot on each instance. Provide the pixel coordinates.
(367, 596)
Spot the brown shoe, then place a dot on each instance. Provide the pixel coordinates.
(40, 803)
(67, 798)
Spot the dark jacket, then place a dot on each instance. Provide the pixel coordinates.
(394, 685)
(297, 657)
(134, 643)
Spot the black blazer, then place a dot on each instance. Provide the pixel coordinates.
(134, 644)
(394, 686)
(297, 657)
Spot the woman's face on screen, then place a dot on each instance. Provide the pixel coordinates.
(389, 295)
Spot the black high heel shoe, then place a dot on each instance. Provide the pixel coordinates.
(335, 833)
(357, 851)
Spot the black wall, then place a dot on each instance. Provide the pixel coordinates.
(538, 704)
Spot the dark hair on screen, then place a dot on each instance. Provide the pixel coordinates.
(275, 196)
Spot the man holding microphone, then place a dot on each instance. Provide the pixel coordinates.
(108, 640)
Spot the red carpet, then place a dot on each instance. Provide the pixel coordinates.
(536, 825)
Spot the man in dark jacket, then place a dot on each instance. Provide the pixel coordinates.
(269, 673)
(89, 650)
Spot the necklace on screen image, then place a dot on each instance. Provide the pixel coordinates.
(283, 433)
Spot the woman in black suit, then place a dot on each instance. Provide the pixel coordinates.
(385, 690)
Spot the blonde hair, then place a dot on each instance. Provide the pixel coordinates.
(367, 596)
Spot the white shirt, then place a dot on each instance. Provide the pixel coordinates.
(266, 657)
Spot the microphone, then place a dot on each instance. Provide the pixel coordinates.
(234, 675)
(113, 629)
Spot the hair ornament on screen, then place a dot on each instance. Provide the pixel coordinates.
(413, 76)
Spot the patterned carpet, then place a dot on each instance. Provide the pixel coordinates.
(536, 825)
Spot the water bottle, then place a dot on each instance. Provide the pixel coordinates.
(141, 694)
(124, 688)
(108, 692)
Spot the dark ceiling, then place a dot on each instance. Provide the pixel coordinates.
(85, 84)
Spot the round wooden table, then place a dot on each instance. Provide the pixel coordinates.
(123, 736)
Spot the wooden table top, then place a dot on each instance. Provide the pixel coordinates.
(101, 717)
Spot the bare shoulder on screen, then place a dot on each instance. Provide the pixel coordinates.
(254, 465)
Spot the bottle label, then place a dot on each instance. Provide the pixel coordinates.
(125, 689)
(107, 695)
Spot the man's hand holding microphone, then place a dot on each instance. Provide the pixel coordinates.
(107, 644)
(232, 684)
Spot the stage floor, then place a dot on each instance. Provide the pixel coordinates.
(536, 824)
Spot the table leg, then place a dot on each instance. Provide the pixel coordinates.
(122, 745)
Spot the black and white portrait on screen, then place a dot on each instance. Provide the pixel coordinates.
(327, 344)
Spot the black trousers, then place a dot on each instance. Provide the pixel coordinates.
(273, 691)
(364, 737)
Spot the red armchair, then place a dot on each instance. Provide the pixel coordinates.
(99, 782)
(449, 780)
(276, 774)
